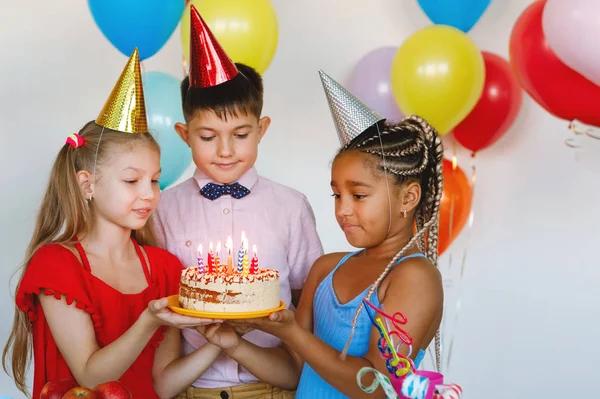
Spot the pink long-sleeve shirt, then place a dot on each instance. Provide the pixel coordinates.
(278, 219)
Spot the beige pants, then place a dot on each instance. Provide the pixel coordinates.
(259, 390)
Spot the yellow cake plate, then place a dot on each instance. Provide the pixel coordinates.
(173, 304)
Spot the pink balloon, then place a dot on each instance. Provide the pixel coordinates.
(572, 29)
(370, 82)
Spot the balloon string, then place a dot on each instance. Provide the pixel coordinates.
(578, 130)
(448, 282)
(463, 260)
(451, 218)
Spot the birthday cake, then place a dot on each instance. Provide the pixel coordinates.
(228, 288)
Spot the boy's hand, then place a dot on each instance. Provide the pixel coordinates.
(221, 335)
(242, 329)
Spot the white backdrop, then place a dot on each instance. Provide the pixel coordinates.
(528, 317)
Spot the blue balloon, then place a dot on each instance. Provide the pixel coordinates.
(145, 24)
(163, 109)
(461, 14)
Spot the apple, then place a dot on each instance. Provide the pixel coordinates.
(56, 389)
(80, 392)
(112, 390)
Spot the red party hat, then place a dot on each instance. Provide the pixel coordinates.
(209, 64)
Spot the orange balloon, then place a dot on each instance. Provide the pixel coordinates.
(455, 206)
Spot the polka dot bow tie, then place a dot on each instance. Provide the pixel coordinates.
(213, 191)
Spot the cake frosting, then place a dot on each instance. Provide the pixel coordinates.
(229, 292)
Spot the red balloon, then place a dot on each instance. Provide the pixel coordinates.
(496, 110)
(556, 87)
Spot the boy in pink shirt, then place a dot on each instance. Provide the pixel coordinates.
(222, 104)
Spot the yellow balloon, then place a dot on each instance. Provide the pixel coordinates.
(246, 29)
(438, 74)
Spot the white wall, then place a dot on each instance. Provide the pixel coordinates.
(528, 316)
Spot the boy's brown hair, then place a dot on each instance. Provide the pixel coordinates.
(242, 94)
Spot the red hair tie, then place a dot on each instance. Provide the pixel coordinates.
(75, 140)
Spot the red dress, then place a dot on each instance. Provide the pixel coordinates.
(58, 271)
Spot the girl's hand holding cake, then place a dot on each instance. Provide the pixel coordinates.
(163, 316)
(277, 323)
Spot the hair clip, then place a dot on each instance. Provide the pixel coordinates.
(74, 140)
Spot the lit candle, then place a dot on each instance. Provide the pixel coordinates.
(210, 259)
(240, 259)
(229, 245)
(218, 267)
(245, 257)
(254, 262)
(200, 260)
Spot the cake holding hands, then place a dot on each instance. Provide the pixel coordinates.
(228, 288)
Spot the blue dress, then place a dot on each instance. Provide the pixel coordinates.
(332, 324)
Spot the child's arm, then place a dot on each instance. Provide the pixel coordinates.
(73, 332)
(279, 366)
(171, 373)
(304, 248)
(414, 289)
(275, 366)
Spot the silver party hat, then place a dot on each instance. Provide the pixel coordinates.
(351, 116)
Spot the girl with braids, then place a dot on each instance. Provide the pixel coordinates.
(91, 303)
(385, 179)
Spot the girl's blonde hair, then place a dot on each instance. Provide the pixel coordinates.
(63, 215)
(411, 150)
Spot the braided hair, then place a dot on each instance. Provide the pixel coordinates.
(410, 150)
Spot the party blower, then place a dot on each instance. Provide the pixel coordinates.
(404, 381)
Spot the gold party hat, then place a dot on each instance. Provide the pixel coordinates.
(125, 110)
